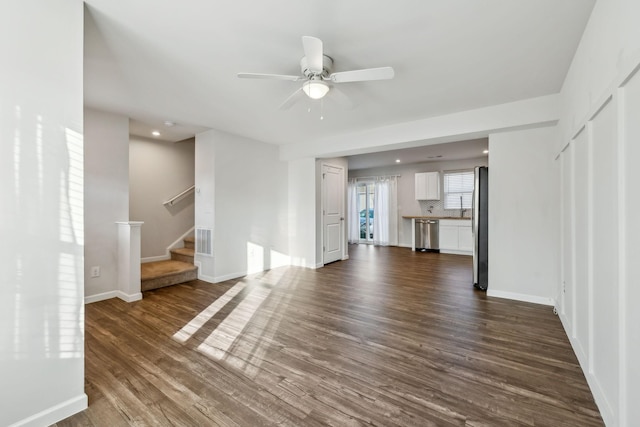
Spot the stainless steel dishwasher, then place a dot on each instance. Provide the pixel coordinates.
(427, 235)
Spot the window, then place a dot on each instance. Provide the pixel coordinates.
(458, 189)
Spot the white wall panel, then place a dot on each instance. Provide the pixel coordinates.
(604, 205)
(630, 232)
(567, 295)
(581, 228)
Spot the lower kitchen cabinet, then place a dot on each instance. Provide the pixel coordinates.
(456, 237)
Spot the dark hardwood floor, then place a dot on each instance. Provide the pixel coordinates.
(389, 337)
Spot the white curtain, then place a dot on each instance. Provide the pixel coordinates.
(353, 221)
(385, 207)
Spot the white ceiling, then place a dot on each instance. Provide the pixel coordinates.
(169, 60)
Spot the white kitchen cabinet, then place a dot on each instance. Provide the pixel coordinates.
(428, 186)
(455, 236)
(448, 237)
(465, 238)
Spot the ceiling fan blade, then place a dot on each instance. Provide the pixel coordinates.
(269, 76)
(382, 73)
(313, 52)
(292, 99)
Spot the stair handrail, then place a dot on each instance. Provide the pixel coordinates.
(180, 196)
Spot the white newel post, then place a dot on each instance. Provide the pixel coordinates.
(129, 260)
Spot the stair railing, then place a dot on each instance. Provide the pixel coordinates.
(175, 199)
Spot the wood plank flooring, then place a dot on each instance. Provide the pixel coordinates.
(389, 337)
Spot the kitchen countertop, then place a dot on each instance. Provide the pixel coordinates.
(435, 217)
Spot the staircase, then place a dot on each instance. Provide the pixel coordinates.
(178, 269)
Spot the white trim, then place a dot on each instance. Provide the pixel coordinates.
(318, 265)
(455, 252)
(155, 258)
(113, 294)
(100, 297)
(230, 276)
(590, 237)
(129, 297)
(131, 223)
(623, 282)
(521, 297)
(55, 413)
(205, 278)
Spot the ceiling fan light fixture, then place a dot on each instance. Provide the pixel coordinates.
(315, 89)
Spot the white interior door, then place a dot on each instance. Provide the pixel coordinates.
(332, 212)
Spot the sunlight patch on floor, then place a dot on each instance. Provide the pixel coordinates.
(222, 338)
(205, 315)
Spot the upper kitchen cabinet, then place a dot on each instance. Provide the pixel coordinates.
(428, 186)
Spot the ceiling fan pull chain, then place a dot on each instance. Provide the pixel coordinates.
(321, 108)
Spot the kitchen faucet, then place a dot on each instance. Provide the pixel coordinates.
(462, 211)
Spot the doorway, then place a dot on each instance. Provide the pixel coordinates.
(332, 213)
(365, 200)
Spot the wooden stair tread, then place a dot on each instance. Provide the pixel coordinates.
(189, 239)
(150, 270)
(184, 251)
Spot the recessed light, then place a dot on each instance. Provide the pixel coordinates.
(155, 133)
(397, 160)
(485, 152)
(169, 123)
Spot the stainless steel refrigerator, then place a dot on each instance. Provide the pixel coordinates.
(480, 228)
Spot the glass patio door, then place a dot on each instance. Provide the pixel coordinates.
(365, 209)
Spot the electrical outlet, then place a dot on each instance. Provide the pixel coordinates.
(95, 271)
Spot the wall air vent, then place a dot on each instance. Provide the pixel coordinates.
(204, 241)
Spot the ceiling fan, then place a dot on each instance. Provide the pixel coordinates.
(317, 70)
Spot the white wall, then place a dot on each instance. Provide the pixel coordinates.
(407, 203)
(205, 179)
(106, 195)
(158, 170)
(41, 226)
(302, 209)
(599, 122)
(249, 203)
(524, 207)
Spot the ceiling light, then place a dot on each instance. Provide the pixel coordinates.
(315, 89)
(155, 133)
(169, 123)
(397, 160)
(485, 152)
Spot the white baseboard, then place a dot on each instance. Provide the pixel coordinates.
(455, 252)
(100, 297)
(404, 246)
(129, 298)
(113, 294)
(155, 258)
(319, 265)
(230, 276)
(56, 413)
(520, 297)
(594, 385)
